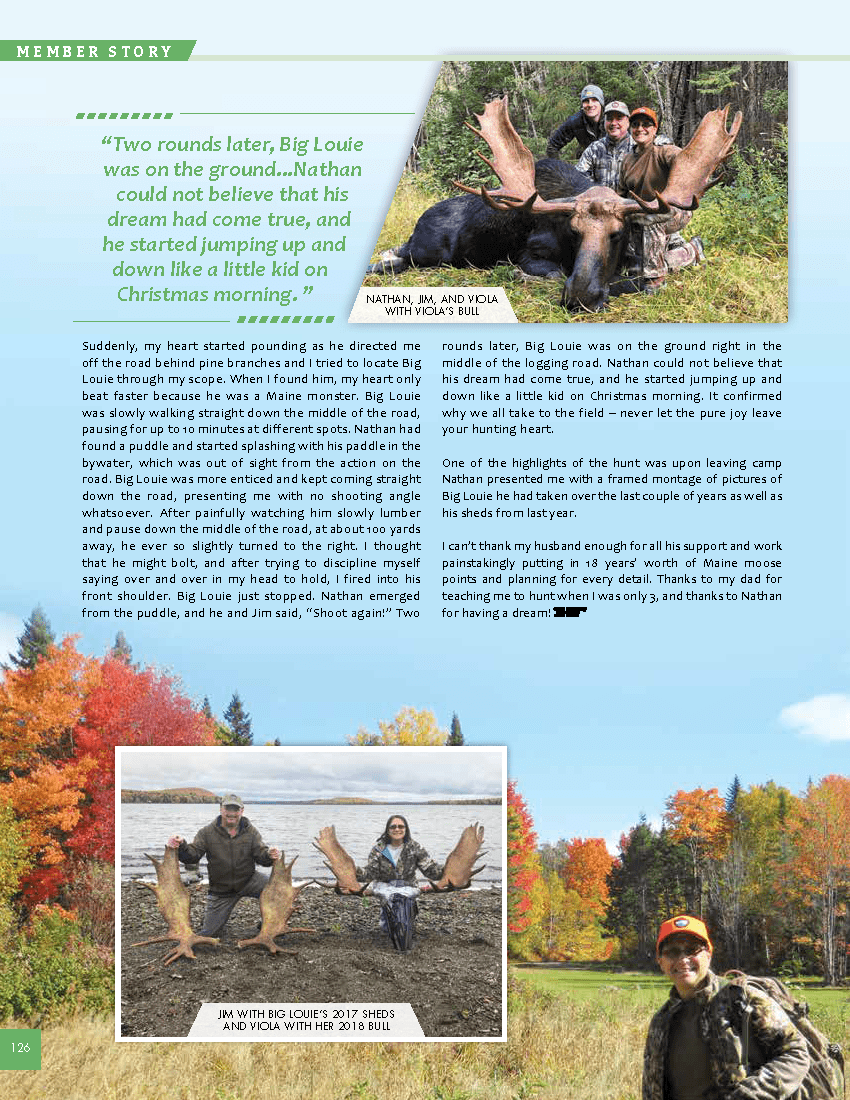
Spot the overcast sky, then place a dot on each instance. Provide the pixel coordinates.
(289, 774)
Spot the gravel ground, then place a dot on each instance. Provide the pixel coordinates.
(452, 977)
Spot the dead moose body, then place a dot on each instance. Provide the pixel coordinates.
(548, 218)
(466, 231)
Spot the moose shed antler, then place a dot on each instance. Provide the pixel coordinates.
(513, 163)
(692, 172)
(277, 903)
(460, 866)
(173, 900)
(338, 861)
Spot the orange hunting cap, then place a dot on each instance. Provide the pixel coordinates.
(691, 926)
(644, 112)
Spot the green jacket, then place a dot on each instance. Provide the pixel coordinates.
(230, 860)
(779, 1058)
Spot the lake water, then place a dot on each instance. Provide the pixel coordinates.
(146, 826)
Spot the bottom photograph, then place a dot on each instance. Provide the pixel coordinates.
(311, 894)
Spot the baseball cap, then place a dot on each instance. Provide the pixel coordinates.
(647, 112)
(686, 925)
(232, 800)
(616, 106)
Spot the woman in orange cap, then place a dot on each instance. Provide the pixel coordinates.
(644, 172)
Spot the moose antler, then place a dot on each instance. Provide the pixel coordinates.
(513, 163)
(460, 866)
(277, 903)
(173, 900)
(692, 172)
(338, 861)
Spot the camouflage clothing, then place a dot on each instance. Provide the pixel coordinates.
(656, 244)
(779, 1059)
(411, 857)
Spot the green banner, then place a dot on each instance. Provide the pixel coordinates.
(20, 1048)
(96, 49)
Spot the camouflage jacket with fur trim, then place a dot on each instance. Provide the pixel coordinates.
(779, 1059)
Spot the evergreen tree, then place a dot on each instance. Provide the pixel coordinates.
(238, 722)
(34, 642)
(455, 736)
(206, 709)
(122, 650)
(732, 792)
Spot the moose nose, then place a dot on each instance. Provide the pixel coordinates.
(593, 298)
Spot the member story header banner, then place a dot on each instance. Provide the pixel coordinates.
(100, 49)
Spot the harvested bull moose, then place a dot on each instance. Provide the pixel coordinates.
(277, 903)
(173, 900)
(549, 218)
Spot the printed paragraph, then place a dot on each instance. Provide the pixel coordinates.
(528, 393)
(251, 486)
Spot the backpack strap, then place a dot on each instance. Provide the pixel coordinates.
(738, 979)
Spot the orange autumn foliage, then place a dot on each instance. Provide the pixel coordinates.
(586, 871)
(59, 724)
(697, 817)
(40, 711)
(40, 708)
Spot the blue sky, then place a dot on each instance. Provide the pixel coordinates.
(604, 716)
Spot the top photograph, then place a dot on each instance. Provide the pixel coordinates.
(616, 191)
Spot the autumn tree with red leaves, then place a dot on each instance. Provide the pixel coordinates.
(128, 706)
(59, 723)
(524, 878)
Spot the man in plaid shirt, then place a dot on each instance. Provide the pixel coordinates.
(601, 161)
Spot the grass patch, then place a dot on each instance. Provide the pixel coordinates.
(571, 1034)
(734, 286)
(829, 1008)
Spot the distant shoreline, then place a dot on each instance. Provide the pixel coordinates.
(130, 797)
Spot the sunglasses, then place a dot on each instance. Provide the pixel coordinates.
(672, 953)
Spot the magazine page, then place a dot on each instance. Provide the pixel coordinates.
(423, 634)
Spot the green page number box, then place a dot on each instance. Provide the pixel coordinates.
(20, 1048)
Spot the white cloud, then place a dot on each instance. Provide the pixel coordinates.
(10, 627)
(826, 717)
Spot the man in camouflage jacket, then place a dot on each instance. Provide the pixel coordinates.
(695, 1047)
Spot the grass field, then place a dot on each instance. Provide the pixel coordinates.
(734, 286)
(572, 1034)
(829, 1008)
